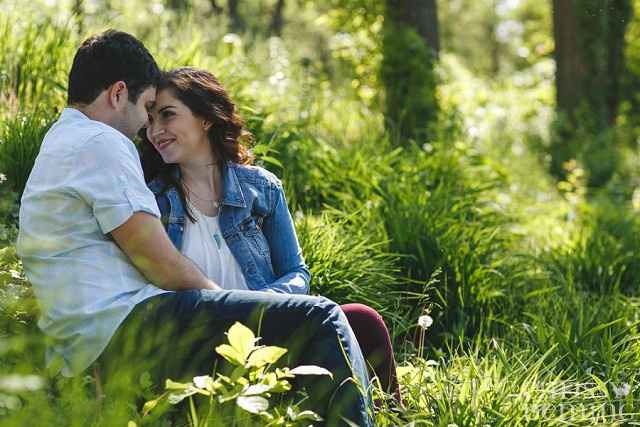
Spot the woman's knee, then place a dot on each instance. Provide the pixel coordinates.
(361, 313)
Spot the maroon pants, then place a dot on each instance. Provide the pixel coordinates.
(375, 343)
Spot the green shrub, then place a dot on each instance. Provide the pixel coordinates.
(438, 214)
(409, 78)
(603, 257)
(349, 265)
(251, 396)
(34, 61)
(20, 139)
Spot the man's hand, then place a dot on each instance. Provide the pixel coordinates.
(147, 245)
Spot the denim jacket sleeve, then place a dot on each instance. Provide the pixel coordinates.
(292, 273)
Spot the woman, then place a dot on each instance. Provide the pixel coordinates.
(229, 217)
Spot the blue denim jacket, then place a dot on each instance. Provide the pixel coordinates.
(256, 224)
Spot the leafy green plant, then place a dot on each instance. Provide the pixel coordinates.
(603, 257)
(20, 139)
(250, 386)
(34, 59)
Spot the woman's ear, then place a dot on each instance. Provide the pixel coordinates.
(206, 125)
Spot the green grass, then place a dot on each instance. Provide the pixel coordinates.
(532, 285)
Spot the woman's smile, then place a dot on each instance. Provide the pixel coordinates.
(164, 143)
(175, 132)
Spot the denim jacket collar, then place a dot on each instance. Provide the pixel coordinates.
(231, 190)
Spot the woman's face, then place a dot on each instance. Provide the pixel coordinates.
(178, 135)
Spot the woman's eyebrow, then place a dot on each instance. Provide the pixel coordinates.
(165, 107)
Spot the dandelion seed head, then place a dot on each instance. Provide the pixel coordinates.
(425, 321)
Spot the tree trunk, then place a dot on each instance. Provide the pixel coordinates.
(420, 15)
(427, 23)
(570, 68)
(215, 8)
(78, 11)
(589, 54)
(178, 5)
(277, 20)
(410, 46)
(236, 23)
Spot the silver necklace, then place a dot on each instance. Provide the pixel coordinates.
(216, 203)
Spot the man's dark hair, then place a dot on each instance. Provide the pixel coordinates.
(106, 58)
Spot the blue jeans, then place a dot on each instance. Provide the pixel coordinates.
(173, 336)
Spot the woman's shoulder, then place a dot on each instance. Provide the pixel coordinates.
(255, 175)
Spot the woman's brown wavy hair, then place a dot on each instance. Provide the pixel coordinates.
(203, 94)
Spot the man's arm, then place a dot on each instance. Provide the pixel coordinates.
(147, 245)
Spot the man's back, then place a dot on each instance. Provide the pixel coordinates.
(86, 181)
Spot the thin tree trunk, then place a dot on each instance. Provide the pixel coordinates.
(570, 68)
(421, 15)
(236, 22)
(427, 23)
(78, 12)
(589, 53)
(178, 5)
(215, 8)
(410, 45)
(277, 20)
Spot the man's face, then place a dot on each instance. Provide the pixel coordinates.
(135, 116)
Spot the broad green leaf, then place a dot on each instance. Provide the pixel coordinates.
(173, 385)
(283, 373)
(175, 398)
(253, 404)
(270, 378)
(231, 394)
(272, 160)
(149, 406)
(266, 355)
(145, 380)
(242, 340)
(310, 370)
(231, 354)
(308, 415)
(204, 382)
(281, 386)
(256, 389)
(237, 373)
(304, 415)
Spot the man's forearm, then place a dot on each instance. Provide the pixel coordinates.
(184, 276)
(147, 245)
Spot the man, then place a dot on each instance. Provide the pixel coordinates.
(105, 272)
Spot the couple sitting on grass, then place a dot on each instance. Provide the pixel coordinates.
(136, 275)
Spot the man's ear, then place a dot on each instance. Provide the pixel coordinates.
(118, 95)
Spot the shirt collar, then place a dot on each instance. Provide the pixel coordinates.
(75, 114)
(70, 112)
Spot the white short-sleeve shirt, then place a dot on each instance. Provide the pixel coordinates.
(86, 181)
(204, 245)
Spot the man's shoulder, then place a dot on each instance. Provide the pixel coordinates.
(71, 137)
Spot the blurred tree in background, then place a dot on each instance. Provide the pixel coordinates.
(589, 53)
(410, 48)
